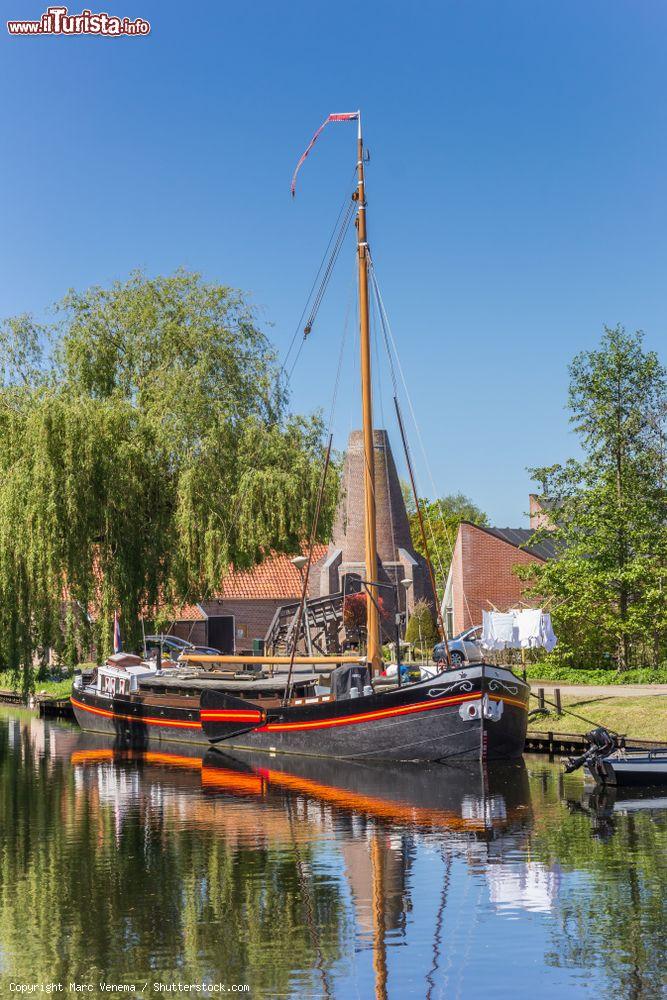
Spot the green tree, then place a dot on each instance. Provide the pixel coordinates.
(421, 629)
(146, 447)
(441, 520)
(610, 509)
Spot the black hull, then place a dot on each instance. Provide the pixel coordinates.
(480, 713)
(134, 725)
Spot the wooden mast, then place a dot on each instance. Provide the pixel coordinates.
(372, 619)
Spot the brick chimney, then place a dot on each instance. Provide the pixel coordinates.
(397, 559)
(539, 518)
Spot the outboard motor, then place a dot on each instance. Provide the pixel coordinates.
(348, 676)
(602, 743)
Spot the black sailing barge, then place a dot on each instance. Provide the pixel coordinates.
(476, 712)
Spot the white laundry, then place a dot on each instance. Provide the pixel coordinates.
(526, 628)
(547, 636)
(499, 630)
(488, 638)
(529, 626)
(505, 629)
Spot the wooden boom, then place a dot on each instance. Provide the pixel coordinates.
(278, 660)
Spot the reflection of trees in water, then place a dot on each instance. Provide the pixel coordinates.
(613, 918)
(84, 894)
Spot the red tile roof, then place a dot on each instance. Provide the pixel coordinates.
(276, 577)
(189, 613)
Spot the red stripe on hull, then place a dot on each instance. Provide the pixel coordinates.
(147, 719)
(230, 715)
(385, 713)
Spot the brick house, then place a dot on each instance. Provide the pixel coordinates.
(481, 576)
(245, 607)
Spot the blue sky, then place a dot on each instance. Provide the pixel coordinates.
(516, 191)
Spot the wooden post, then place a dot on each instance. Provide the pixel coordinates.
(559, 707)
(540, 699)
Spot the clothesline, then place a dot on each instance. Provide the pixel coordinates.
(519, 628)
(518, 605)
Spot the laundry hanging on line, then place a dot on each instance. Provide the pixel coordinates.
(520, 628)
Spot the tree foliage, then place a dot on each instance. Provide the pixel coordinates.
(146, 448)
(422, 630)
(442, 518)
(610, 510)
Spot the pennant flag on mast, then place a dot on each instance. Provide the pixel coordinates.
(117, 641)
(346, 116)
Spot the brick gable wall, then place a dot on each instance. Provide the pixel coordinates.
(255, 615)
(482, 571)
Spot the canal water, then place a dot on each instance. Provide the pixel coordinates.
(298, 878)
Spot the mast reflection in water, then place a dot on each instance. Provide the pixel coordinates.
(316, 878)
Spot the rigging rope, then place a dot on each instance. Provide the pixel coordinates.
(390, 345)
(374, 311)
(325, 257)
(329, 268)
(324, 283)
(389, 341)
(319, 271)
(337, 234)
(346, 327)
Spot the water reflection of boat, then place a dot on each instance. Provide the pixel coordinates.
(470, 799)
(459, 798)
(530, 885)
(373, 814)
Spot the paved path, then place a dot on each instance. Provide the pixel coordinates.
(601, 690)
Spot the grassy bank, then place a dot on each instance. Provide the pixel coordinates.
(53, 688)
(643, 718)
(553, 672)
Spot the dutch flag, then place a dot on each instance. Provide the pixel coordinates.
(117, 641)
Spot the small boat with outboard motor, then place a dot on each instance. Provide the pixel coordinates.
(610, 764)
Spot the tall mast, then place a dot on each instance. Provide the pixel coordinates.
(372, 619)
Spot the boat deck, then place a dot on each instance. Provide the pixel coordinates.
(168, 684)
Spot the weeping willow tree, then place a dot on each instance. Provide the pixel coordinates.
(146, 447)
